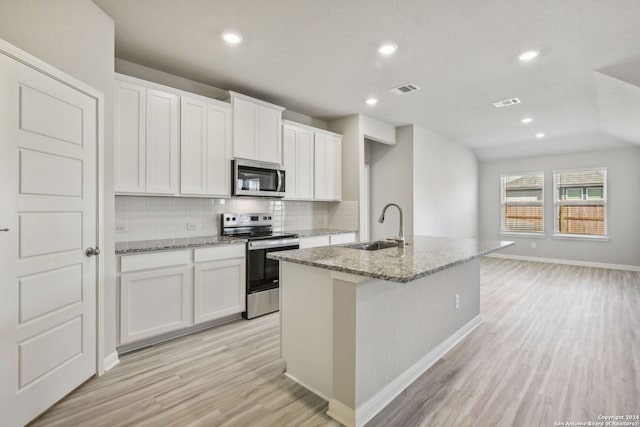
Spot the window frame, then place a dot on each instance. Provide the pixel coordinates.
(582, 202)
(503, 202)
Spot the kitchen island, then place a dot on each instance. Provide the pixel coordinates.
(358, 326)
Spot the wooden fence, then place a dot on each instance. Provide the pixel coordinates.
(581, 219)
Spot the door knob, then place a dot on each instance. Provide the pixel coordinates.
(92, 251)
(4, 229)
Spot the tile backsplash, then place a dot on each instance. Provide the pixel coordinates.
(151, 218)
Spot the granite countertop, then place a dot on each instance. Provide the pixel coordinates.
(422, 256)
(125, 248)
(318, 232)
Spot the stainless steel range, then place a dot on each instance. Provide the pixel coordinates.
(263, 274)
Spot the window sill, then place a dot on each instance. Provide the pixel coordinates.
(523, 235)
(579, 237)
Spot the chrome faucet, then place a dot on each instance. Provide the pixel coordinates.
(400, 238)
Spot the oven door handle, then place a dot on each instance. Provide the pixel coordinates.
(272, 243)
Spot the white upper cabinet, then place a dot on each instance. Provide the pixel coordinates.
(256, 129)
(205, 148)
(170, 141)
(193, 146)
(298, 160)
(334, 167)
(328, 166)
(130, 151)
(146, 140)
(219, 150)
(162, 142)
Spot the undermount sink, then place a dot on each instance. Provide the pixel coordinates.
(373, 246)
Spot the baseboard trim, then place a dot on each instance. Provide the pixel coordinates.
(567, 262)
(111, 361)
(168, 336)
(311, 389)
(382, 398)
(341, 413)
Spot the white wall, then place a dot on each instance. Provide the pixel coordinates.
(391, 170)
(445, 186)
(623, 177)
(78, 38)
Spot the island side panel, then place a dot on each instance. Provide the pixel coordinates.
(306, 322)
(397, 325)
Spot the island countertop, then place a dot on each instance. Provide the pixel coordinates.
(423, 255)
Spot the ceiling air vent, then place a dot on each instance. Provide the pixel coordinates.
(401, 90)
(507, 102)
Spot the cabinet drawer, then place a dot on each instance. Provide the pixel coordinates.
(315, 241)
(219, 252)
(338, 239)
(154, 260)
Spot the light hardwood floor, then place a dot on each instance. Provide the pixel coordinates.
(558, 343)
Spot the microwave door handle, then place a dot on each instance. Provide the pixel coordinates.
(279, 181)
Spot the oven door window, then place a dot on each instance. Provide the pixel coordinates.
(263, 273)
(257, 179)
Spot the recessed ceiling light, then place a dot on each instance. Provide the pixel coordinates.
(231, 37)
(387, 48)
(528, 55)
(371, 101)
(540, 135)
(526, 120)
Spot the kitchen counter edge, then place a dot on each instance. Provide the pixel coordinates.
(332, 261)
(144, 246)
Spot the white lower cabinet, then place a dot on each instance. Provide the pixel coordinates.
(219, 282)
(219, 289)
(153, 302)
(165, 291)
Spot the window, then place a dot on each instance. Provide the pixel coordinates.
(581, 202)
(522, 202)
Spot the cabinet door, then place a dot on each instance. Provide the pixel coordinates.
(320, 167)
(154, 302)
(193, 146)
(245, 125)
(334, 168)
(289, 160)
(130, 107)
(219, 289)
(304, 164)
(219, 151)
(269, 142)
(162, 142)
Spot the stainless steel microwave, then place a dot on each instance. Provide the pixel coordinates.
(257, 179)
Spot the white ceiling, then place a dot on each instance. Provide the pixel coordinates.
(319, 58)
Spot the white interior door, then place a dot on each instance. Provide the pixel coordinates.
(54, 138)
(8, 240)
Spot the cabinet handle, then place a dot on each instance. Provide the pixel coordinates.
(4, 229)
(92, 251)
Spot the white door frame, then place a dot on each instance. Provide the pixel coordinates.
(35, 63)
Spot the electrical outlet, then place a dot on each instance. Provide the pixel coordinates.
(193, 226)
(457, 301)
(121, 228)
(533, 245)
